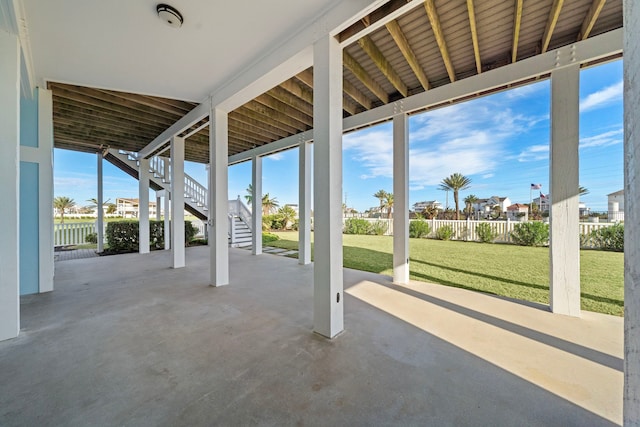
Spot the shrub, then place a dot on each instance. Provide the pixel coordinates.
(91, 238)
(609, 238)
(485, 232)
(378, 228)
(357, 226)
(122, 236)
(273, 222)
(419, 228)
(533, 233)
(445, 232)
(268, 237)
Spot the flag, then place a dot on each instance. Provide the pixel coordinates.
(542, 196)
(536, 186)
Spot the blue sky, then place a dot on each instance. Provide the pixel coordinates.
(500, 141)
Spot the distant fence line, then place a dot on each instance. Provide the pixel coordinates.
(466, 229)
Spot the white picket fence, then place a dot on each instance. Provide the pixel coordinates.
(466, 229)
(72, 233)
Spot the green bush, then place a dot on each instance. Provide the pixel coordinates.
(91, 238)
(272, 222)
(609, 238)
(378, 228)
(122, 236)
(419, 228)
(357, 226)
(268, 237)
(445, 232)
(485, 232)
(532, 233)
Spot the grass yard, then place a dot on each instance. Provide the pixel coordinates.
(512, 271)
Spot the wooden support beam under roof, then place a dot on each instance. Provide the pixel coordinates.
(517, 20)
(295, 88)
(89, 115)
(248, 111)
(279, 106)
(403, 44)
(151, 102)
(474, 35)
(554, 14)
(434, 20)
(62, 113)
(278, 117)
(362, 75)
(307, 78)
(251, 131)
(383, 65)
(591, 18)
(355, 94)
(254, 127)
(293, 101)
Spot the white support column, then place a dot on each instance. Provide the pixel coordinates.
(9, 181)
(328, 313)
(45, 144)
(100, 222)
(400, 199)
(631, 406)
(564, 265)
(143, 205)
(167, 219)
(177, 201)
(219, 197)
(256, 204)
(158, 205)
(304, 204)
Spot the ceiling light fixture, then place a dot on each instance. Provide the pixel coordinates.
(170, 15)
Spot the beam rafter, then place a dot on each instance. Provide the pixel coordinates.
(556, 7)
(434, 20)
(277, 116)
(361, 74)
(286, 109)
(403, 44)
(517, 20)
(591, 18)
(474, 35)
(383, 64)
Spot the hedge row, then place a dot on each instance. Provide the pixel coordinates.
(122, 236)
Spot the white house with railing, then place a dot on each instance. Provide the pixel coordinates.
(615, 202)
(130, 208)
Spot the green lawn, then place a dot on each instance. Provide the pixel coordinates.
(512, 271)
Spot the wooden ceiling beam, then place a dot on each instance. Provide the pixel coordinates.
(356, 94)
(296, 89)
(68, 112)
(434, 20)
(293, 101)
(383, 64)
(149, 102)
(474, 35)
(349, 106)
(306, 77)
(250, 117)
(517, 20)
(556, 7)
(250, 132)
(283, 121)
(403, 44)
(361, 74)
(106, 127)
(591, 18)
(285, 109)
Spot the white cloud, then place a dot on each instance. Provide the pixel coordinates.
(534, 153)
(526, 90)
(602, 97)
(274, 156)
(604, 139)
(488, 175)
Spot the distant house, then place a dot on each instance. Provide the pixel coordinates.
(616, 206)
(129, 208)
(484, 207)
(543, 202)
(420, 207)
(517, 211)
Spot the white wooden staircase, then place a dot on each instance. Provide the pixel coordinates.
(195, 194)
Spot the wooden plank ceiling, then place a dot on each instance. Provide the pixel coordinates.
(439, 42)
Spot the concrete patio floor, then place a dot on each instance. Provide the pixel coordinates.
(125, 340)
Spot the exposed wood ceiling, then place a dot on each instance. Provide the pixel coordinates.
(429, 46)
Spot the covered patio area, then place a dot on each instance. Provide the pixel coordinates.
(151, 345)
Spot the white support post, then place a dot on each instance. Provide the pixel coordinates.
(177, 201)
(328, 298)
(158, 210)
(304, 204)
(45, 144)
(100, 222)
(143, 205)
(166, 170)
(9, 182)
(400, 199)
(256, 204)
(218, 197)
(564, 265)
(631, 402)
(167, 220)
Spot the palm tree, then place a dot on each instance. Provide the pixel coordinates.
(111, 208)
(469, 201)
(380, 195)
(388, 203)
(288, 215)
(94, 202)
(455, 183)
(583, 191)
(249, 196)
(269, 204)
(61, 203)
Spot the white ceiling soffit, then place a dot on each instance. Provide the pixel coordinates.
(123, 45)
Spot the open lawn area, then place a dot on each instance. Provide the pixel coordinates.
(511, 271)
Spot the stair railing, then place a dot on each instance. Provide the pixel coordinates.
(239, 209)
